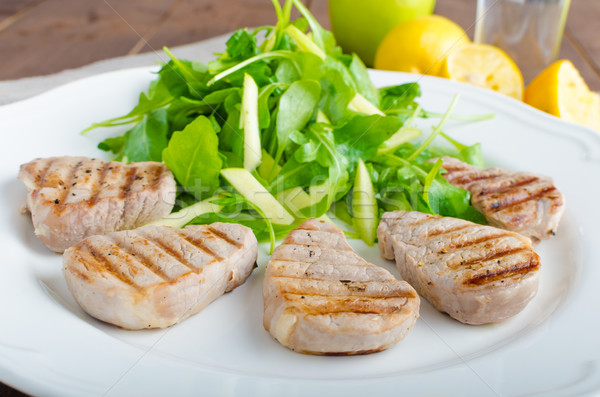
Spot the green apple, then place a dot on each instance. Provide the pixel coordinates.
(360, 25)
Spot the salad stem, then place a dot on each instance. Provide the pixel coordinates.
(436, 130)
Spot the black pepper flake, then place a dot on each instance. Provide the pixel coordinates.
(302, 297)
(137, 178)
(56, 201)
(72, 194)
(311, 253)
(88, 171)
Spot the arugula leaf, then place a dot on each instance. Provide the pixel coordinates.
(219, 96)
(296, 107)
(293, 173)
(146, 141)
(242, 45)
(363, 83)
(336, 94)
(323, 38)
(264, 109)
(157, 97)
(468, 154)
(399, 97)
(183, 111)
(287, 72)
(192, 156)
(114, 144)
(329, 156)
(363, 135)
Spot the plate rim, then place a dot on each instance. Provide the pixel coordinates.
(15, 380)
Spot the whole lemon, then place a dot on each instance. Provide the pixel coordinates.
(360, 25)
(420, 45)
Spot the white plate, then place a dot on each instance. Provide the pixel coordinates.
(49, 346)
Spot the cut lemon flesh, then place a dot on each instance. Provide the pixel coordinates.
(485, 66)
(561, 91)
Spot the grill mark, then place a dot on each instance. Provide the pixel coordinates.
(199, 244)
(156, 177)
(123, 193)
(224, 237)
(69, 186)
(336, 239)
(278, 259)
(108, 266)
(441, 232)
(403, 294)
(353, 297)
(468, 179)
(504, 205)
(330, 279)
(348, 304)
(140, 258)
(420, 221)
(314, 230)
(125, 188)
(321, 247)
(164, 246)
(105, 169)
(309, 246)
(489, 256)
(469, 243)
(505, 189)
(453, 168)
(520, 268)
(42, 178)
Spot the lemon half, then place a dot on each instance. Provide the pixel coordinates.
(485, 66)
(561, 91)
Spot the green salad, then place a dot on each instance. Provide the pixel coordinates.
(283, 126)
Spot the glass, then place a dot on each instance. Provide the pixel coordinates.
(530, 31)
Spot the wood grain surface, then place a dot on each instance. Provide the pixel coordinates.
(39, 37)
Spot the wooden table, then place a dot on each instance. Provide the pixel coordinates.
(39, 37)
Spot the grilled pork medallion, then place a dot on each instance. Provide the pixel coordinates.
(156, 276)
(477, 274)
(519, 201)
(71, 198)
(322, 298)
